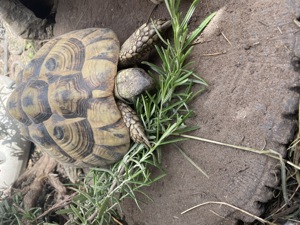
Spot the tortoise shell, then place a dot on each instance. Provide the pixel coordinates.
(65, 103)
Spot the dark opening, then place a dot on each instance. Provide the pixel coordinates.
(295, 61)
(41, 8)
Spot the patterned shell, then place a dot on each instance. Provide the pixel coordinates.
(64, 99)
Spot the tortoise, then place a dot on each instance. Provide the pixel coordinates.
(65, 102)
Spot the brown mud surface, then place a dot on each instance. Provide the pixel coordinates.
(245, 56)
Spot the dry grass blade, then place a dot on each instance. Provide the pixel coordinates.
(191, 161)
(232, 206)
(271, 153)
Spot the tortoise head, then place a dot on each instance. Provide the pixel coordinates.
(132, 82)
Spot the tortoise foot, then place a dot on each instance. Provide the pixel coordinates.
(136, 130)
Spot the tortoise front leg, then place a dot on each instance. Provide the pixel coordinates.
(141, 42)
(136, 130)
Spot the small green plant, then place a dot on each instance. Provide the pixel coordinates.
(12, 212)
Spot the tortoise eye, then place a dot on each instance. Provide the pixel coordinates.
(58, 132)
(51, 64)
